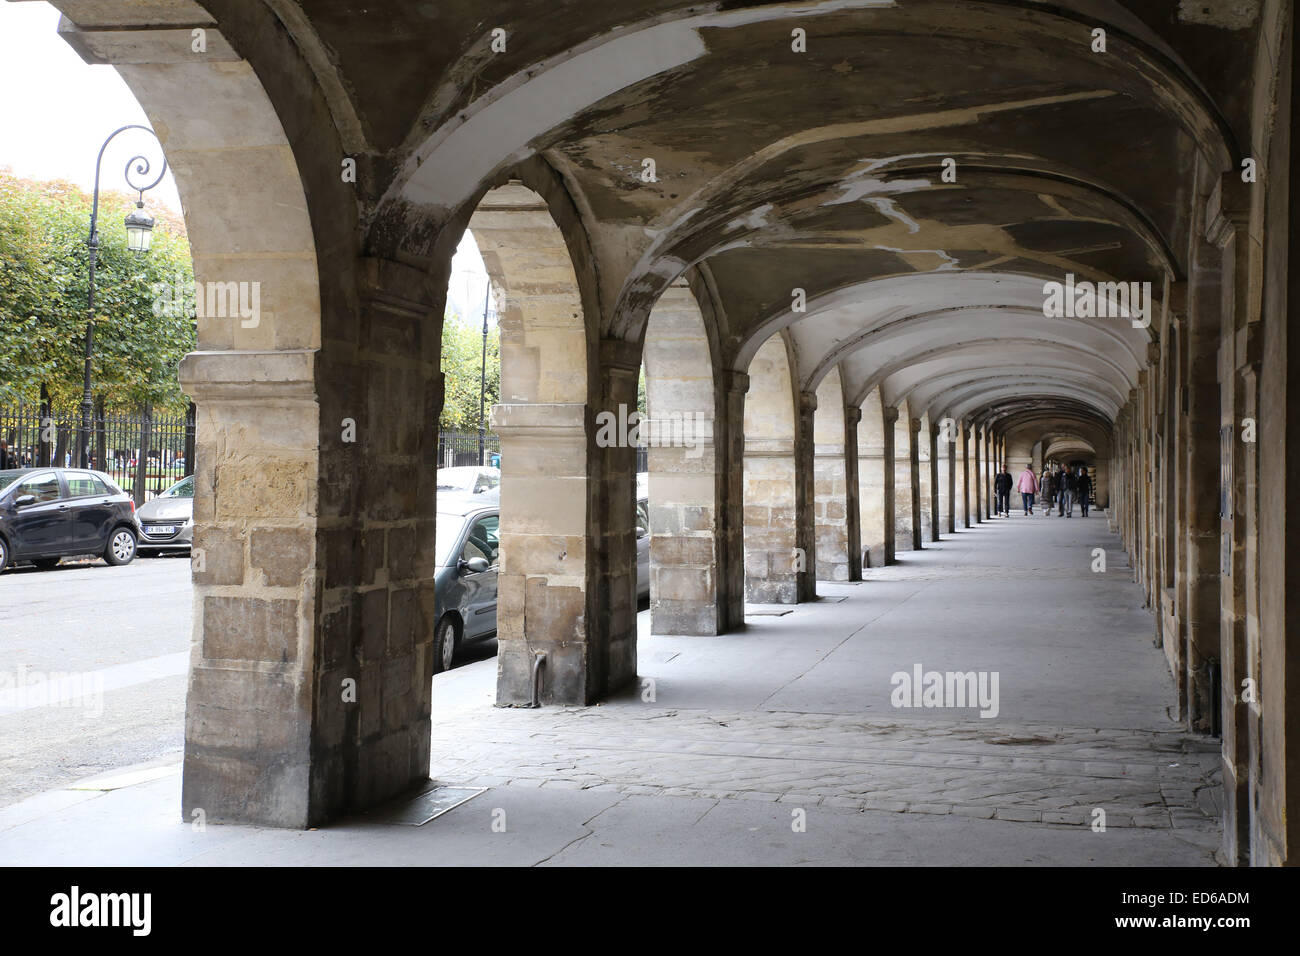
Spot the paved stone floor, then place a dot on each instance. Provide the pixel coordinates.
(780, 744)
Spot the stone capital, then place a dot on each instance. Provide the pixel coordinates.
(263, 377)
(621, 355)
(852, 415)
(1227, 209)
(733, 381)
(890, 414)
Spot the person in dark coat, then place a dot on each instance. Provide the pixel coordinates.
(1069, 486)
(1002, 486)
(1085, 490)
(7, 458)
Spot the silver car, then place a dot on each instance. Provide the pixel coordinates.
(167, 521)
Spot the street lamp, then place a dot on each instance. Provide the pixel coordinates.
(139, 234)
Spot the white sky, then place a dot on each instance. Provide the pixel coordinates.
(56, 111)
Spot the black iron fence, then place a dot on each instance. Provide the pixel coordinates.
(143, 452)
(41, 436)
(461, 448)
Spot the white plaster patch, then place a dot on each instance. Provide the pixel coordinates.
(756, 219)
(545, 96)
(1226, 14)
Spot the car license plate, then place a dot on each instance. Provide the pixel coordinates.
(163, 529)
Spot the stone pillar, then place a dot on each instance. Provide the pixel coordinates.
(952, 465)
(936, 483)
(977, 489)
(772, 517)
(852, 490)
(965, 475)
(1239, 356)
(805, 497)
(567, 581)
(256, 660)
(685, 432)
(730, 446)
(871, 478)
(914, 479)
(835, 556)
(889, 417)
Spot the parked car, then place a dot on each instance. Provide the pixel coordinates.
(51, 513)
(167, 521)
(469, 478)
(642, 548)
(467, 545)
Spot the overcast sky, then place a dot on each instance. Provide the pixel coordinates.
(55, 113)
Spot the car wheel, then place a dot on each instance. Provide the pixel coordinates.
(444, 644)
(4, 554)
(121, 546)
(45, 564)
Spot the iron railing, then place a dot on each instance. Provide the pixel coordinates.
(42, 436)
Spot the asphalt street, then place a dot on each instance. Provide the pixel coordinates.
(92, 670)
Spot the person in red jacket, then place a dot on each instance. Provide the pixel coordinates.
(1028, 487)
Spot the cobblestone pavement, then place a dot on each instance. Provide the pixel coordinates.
(1039, 774)
(796, 711)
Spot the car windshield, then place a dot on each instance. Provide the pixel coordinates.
(446, 535)
(7, 478)
(182, 489)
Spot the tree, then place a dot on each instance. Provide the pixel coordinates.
(43, 284)
(462, 356)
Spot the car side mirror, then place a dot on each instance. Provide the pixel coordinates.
(22, 501)
(641, 533)
(473, 565)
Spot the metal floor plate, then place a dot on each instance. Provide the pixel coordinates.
(420, 809)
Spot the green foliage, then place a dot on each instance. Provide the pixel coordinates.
(462, 357)
(43, 309)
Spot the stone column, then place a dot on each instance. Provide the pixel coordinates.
(935, 483)
(852, 490)
(1239, 356)
(258, 651)
(835, 555)
(889, 416)
(730, 446)
(977, 490)
(685, 434)
(951, 460)
(914, 483)
(805, 497)
(965, 474)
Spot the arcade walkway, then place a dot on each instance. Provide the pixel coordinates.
(792, 713)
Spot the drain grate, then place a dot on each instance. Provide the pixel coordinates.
(420, 809)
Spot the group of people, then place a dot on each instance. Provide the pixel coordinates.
(1060, 488)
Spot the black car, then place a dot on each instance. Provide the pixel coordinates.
(52, 513)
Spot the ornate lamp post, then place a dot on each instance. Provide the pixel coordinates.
(139, 233)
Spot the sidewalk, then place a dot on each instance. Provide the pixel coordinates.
(779, 745)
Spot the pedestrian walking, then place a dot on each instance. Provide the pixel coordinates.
(1028, 486)
(1085, 490)
(1069, 482)
(7, 458)
(1049, 491)
(1002, 486)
